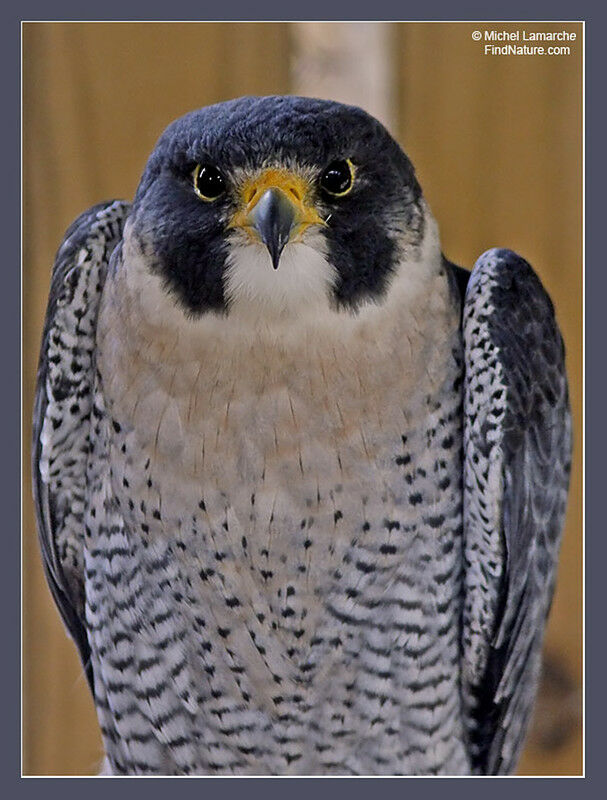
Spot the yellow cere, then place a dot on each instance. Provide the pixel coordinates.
(294, 186)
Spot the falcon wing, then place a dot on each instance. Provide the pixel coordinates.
(62, 407)
(517, 458)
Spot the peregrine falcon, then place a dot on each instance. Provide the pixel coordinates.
(300, 481)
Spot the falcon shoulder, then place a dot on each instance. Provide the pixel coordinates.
(517, 459)
(63, 406)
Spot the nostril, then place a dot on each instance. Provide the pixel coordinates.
(295, 193)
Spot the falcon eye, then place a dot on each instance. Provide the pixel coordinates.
(338, 178)
(209, 183)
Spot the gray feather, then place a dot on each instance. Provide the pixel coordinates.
(63, 404)
(516, 475)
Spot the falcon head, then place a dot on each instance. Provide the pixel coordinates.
(276, 204)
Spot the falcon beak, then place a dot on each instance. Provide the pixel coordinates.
(273, 217)
(275, 208)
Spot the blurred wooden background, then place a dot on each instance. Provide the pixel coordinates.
(497, 145)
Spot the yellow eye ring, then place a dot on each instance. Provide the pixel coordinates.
(338, 178)
(209, 183)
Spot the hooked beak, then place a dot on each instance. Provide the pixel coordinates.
(273, 218)
(275, 208)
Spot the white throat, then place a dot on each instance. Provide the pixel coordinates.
(301, 285)
(284, 305)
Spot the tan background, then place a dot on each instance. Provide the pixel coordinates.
(497, 145)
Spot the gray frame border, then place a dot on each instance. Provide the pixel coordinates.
(10, 399)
